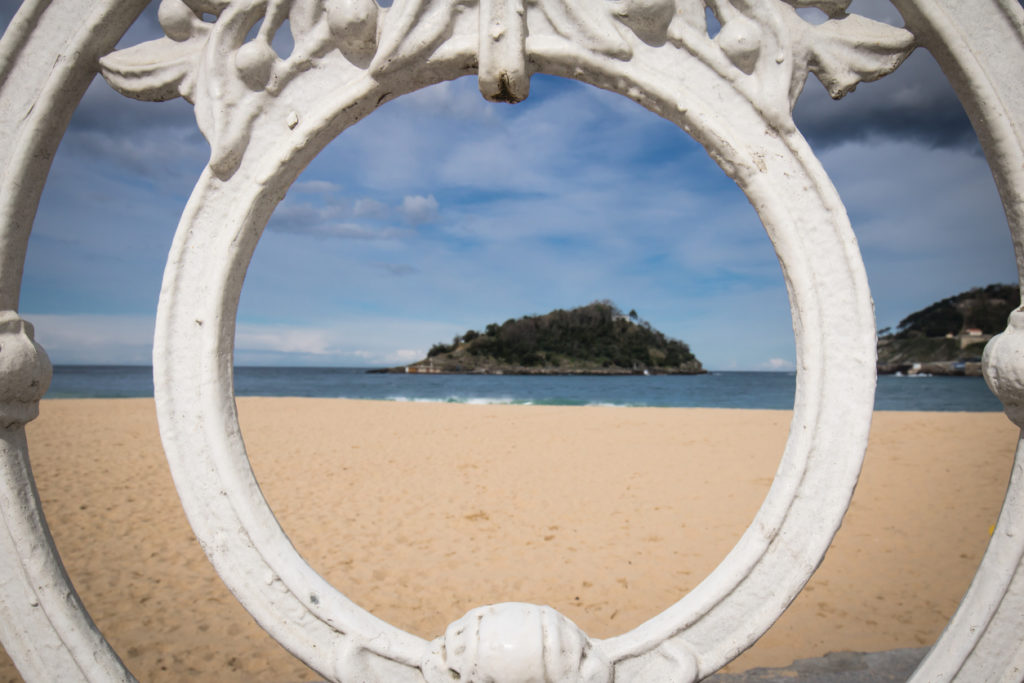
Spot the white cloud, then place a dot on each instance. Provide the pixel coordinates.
(297, 216)
(406, 355)
(282, 339)
(449, 99)
(316, 187)
(331, 220)
(418, 209)
(778, 364)
(358, 232)
(357, 341)
(94, 339)
(369, 208)
(128, 339)
(395, 357)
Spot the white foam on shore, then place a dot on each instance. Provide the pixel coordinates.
(507, 401)
(471, 400)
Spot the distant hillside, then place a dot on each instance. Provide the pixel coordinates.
(948, 336)
(593, 339)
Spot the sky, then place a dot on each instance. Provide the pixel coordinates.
(442, 212)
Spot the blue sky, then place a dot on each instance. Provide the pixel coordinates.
(442, 212)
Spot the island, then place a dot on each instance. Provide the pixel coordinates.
(596, 339)
(947, 337)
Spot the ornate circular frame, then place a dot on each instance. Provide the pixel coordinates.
(266, 119)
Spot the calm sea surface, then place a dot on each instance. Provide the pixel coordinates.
(714, 390)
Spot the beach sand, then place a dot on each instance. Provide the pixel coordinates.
(419, 512)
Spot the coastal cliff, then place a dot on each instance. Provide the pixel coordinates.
(597, 339)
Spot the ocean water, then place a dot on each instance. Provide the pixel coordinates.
(772, 390)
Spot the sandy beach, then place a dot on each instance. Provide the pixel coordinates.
(419, 512)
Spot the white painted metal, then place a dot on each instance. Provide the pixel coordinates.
(266, 118)
(980, 46)
(43, 625)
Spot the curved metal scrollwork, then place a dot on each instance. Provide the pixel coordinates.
(266, 116)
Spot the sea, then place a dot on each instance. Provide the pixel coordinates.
(761, 390)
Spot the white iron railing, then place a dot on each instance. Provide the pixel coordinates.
(265, 118)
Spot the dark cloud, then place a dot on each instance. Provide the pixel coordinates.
(146, 27)
(7, 10)
(104, 109)
(155, 142)
(175, 159)
(914, 103)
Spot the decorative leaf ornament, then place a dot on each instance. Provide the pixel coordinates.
(765, 48)
(413, 27)
(165, 68)
(225, 76)
(650, 19)
(844, 51)
(595, 31)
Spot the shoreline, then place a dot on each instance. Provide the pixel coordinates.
(418, 369)
(726, 389)
(421, 511)
(512, 402)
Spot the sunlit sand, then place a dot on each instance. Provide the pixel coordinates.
(419, 512)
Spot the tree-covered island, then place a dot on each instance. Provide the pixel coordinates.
(597, 339)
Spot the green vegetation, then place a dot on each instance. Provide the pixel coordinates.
(982, 308)
(597, 338)
(948, 337)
